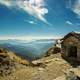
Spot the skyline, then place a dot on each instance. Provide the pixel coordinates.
(29, 37)
(39, 17)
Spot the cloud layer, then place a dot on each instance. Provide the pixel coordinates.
(35, 8)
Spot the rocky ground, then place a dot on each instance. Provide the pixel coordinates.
(52, 67)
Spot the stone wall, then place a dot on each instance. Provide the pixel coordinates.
(70, 41)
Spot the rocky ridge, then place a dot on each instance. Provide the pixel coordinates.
(9, 61)
(51, 67)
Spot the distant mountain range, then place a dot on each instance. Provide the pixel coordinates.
(28, 49)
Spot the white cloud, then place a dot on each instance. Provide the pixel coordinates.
(68, 22)
(6, 2)
(35, 8)
(76, 8)
(31, 22)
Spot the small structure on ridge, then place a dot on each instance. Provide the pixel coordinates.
(71, 46)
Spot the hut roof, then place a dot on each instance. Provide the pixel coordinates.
(76, 34)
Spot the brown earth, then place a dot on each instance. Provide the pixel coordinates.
(47, 68)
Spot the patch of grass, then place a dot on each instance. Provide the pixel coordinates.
(1, 78)
(18, 59)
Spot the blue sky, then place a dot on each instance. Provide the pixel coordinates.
(39, 17)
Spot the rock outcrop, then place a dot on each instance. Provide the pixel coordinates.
(8, 61)
(6, 64)
(53, 50)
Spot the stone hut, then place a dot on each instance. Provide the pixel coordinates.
(71, 46)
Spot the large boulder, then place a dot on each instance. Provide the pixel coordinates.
(36, 63)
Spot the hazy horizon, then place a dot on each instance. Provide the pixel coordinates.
(29, 37)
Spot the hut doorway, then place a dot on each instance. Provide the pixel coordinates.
(72, 52)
